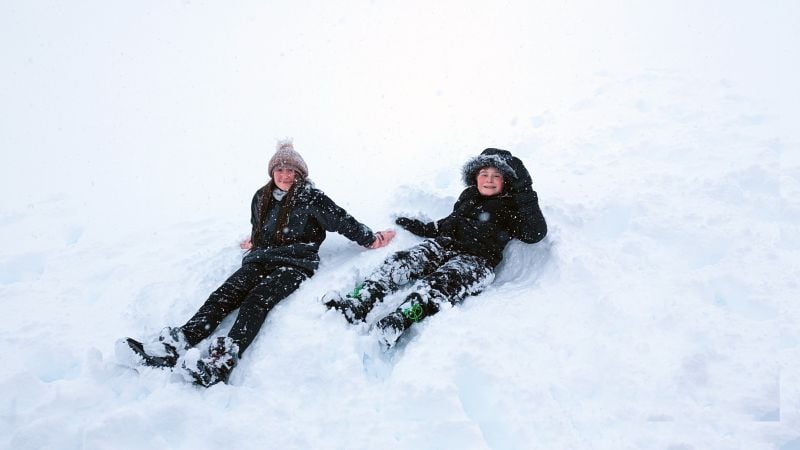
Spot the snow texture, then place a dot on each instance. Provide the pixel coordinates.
(660, 312)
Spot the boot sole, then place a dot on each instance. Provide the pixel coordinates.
(161, 362)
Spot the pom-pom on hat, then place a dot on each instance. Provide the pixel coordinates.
(286, 156)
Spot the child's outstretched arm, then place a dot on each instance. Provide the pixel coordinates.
(435, 228)
(418, 227)
(529, 225)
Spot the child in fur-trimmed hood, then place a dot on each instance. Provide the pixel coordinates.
(461, 251)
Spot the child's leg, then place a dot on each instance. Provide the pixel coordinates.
(403, 267)
(272, 289)
(397, 270)
(224, 352)
(458, 277)
(222, 302)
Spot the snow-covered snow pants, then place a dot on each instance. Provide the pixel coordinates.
(441, 274)
(255, 288)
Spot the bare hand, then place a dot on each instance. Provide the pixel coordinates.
(246, 244)
(382, 238)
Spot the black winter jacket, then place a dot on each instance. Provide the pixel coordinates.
(312, 214)
(482, 226)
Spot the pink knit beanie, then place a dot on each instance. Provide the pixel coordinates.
(286, 156)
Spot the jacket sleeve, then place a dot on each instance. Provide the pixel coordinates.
(528, 224)
(446, 224)
(418, 227)
(334, 218)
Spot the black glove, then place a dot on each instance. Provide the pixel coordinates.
(523, 181)
(417, 226)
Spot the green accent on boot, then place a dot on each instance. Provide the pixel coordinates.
(357, 291)
(413, 312)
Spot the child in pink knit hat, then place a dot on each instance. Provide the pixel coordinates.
(289, 219)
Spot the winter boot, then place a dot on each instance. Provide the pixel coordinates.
(391, 327)
(162, 352)
(356, 304)
(223, 355)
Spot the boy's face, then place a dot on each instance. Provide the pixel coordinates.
(490, 181)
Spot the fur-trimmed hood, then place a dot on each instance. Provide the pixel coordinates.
(491, 157)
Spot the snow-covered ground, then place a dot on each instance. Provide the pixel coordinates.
(661, 311)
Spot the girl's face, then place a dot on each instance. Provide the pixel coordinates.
(283, 177)
(490, 181)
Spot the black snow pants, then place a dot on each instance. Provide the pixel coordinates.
(255, 288)
(441, 275)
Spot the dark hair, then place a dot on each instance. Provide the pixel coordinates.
(283, 215)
